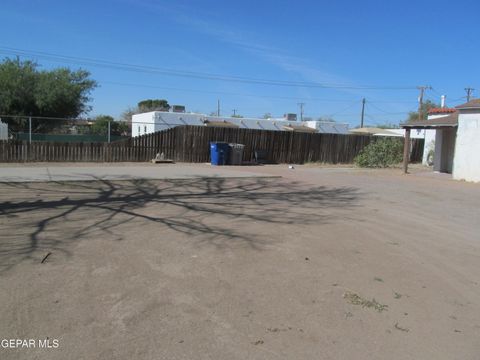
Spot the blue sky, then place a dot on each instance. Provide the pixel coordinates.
(380, 44)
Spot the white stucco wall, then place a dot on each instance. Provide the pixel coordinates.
(143, 124)
(466, 165)
(429, 144)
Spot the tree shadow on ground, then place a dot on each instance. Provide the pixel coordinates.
(202, 208)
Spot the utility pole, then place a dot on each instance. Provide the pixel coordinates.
(363, 112)
(218, 107)
(301, 110)
(469, 91)
(420, 99)
(234, 112)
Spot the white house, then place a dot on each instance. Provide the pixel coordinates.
(457, 140)
(150, 122)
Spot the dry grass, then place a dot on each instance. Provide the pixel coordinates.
(356, 299)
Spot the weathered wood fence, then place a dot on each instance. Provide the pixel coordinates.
(191, 144)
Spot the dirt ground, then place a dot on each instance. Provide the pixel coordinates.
(319, 264)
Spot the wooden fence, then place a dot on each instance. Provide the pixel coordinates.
(191, 144)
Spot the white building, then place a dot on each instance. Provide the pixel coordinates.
(457, 141)
(150, 122)
(466, 164)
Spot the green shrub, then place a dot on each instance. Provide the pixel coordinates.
(381, 153)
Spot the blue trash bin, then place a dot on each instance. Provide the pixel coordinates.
(219, 153)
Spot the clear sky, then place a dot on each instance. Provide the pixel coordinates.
(380, 50)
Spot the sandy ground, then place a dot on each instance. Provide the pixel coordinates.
(114, 171)
(319, 264)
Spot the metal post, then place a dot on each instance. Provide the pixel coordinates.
(363, 112)
(301, 110)
(469, 91)
(406, 150)
(30, 129)
(109, 132)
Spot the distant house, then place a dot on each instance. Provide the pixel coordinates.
(457, 139)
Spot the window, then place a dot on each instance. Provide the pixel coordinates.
(145, 129)
(138, 129)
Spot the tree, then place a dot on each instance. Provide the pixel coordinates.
(27, 91)
(128, 113)
(153, 105)
(383, 152)
(267, 116)
(100, 126)
(237, 116)
(144, 106)
(426, 106)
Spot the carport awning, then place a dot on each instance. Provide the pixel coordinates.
(441, 122)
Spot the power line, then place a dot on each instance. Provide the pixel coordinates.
(188, 74)
(435, 91)
(230, 93)
(369, 103)
(343, 110)
(251, 95)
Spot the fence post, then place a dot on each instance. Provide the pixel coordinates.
(406, 150)
(109, 131)
(30, 129)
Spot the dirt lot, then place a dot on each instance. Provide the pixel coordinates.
(319, 264)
